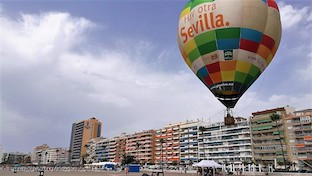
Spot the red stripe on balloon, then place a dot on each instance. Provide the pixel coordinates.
(208, 80)
(249, 45)
(268, 42)
(212, 68)
(272, 3)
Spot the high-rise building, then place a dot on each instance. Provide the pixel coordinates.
(299, 127)
(141, 146)
(270, 142)
(102, 150)
(82, 132)
(225, 144)
(91, 150)
(189, 142)
(167, 148)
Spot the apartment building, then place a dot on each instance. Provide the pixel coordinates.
(17, 158)
(1, 154)
(299, 127)
(106, 149)
(141, 145)
(121, 147)
(38, 154)
(102, 150)
(44, 154)
(266, 134)
(167, 148)
(57, 155)
(225, 144)
(189, 142)
(91, 147)
(82, 132)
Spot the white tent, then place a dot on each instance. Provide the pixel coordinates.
(103, 163)
(207, 163)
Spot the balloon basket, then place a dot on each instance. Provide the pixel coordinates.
(229, 119)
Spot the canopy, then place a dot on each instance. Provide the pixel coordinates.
(103, 163)
(207, 163)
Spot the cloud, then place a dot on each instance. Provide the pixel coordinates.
(305, 72)
(292, 16)
(50, 77)
(252, 102)
(32, 38)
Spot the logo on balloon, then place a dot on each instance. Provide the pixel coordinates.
(206, 20)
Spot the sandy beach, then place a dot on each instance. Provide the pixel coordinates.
(81, 173)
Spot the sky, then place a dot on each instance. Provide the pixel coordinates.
(64, 61)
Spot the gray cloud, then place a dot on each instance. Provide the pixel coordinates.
(49, 80)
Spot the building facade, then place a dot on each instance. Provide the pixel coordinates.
(82, 132)
(225, 144)
(189, 142)
(167, 146)
(1, 154)
(17, 158)
(44, 154)
(299, 127)
(141, 146)
(269, 138)
(39, 154)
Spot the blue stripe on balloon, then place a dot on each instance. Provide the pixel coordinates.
(265, 1)
(251, 35)
(203, 72)
(226, 44)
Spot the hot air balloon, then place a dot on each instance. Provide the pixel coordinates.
(228, 44)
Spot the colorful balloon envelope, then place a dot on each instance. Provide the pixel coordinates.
(229, 43)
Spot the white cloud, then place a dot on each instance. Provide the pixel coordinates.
(45, 78)
(39, 38)
(252, 102)
(292, 16)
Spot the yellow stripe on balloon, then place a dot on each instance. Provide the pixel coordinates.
(189, 46)
(185, 12)
(227, 75)
(269, 59)
(188, 62)
(242, 66)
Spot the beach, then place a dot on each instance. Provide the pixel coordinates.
(82, 173)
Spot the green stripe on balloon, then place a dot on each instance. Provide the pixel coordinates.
(197, 2)
(240, 77)
(207, 48)
(205, 37)
(228, 33)
(254, 71)
(194, 54)
(188, 5)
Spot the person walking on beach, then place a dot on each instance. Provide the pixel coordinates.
(126, 170)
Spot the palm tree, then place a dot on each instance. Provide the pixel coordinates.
(137, 148)
(277, 117)
(202, 129)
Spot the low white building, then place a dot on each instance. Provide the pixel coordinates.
(46, 155)
(1, 154)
